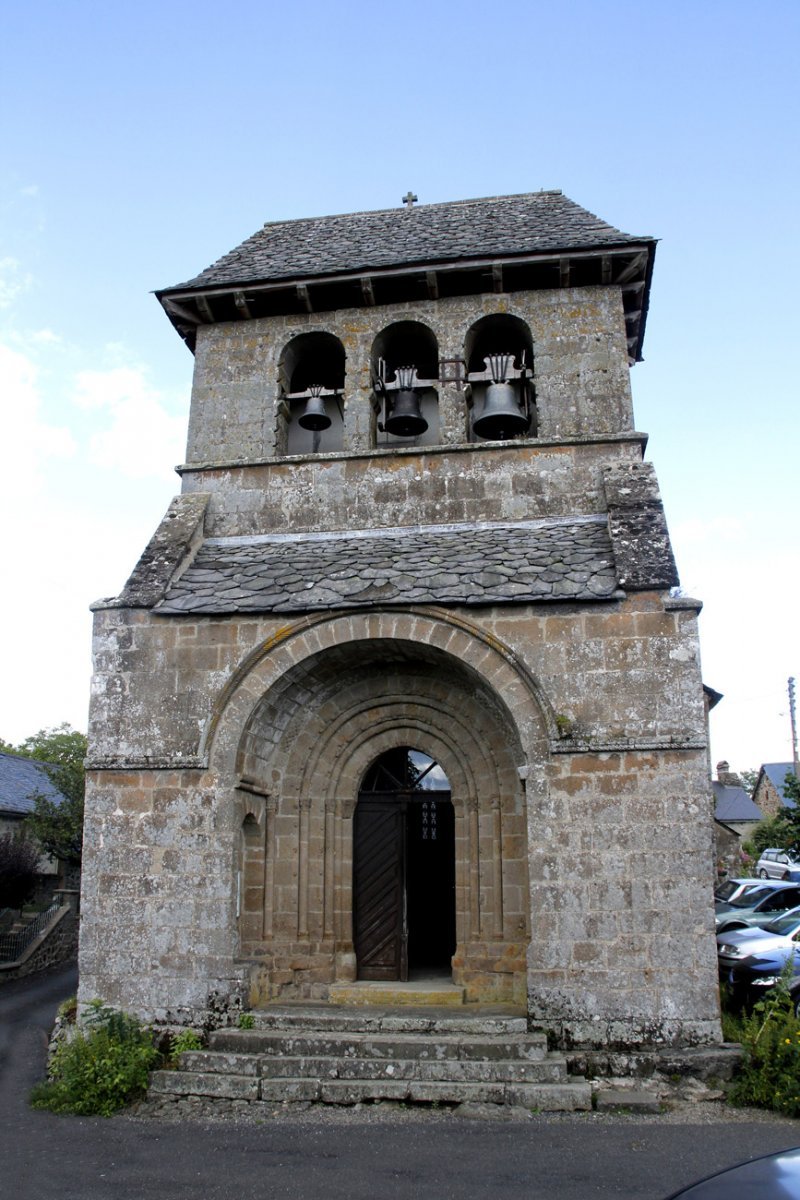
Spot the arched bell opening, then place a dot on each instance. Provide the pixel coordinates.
(405, 369)
(404, 869)
(311, 375)
(499, 355)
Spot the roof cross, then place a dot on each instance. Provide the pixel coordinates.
(410, 199)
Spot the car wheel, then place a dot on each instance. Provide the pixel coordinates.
(763, 874)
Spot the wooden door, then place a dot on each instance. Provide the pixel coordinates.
(380, 930)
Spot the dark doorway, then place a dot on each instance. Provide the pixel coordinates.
(404, 868)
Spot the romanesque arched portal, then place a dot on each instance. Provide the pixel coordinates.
(301, 761)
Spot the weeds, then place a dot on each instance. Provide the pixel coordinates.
(770, 1074)
(102, 1068)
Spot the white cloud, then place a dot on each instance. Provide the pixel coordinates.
(29, 439)
(13, 281)
(143, 439)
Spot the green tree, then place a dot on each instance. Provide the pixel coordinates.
(749, 780)
(782, 830)
(58, 828)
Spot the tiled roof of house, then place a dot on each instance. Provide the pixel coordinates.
(20, 780)
(493, 227)
(734, 804)
(470, 564)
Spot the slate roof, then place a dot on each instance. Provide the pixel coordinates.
(734, 804)
(492, 227)
(776, 773)
(472, 564)
(20, 780)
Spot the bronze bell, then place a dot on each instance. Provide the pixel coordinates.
(502, 415)
(314, 416)
(405, 419)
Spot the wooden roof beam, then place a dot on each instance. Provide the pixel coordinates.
(181, 313)
(605, 269)
(497, 276)
(635, 267)
(205, 309)
(433, 285)
(367, 291)
(242, 306)
(563, 272)
(304, 297)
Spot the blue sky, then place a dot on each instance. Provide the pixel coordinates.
(140, 142)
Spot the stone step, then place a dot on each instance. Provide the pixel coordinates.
(549, 1070)
(310, 1043)
(423, 1019)
(547, 1097)
(392, 994)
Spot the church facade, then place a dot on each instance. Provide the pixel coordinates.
(403, 687)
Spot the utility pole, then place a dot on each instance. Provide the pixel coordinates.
(793, 719)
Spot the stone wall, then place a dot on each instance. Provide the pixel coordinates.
(227, 752)
(55, 945)
(580, 369)
(607, 711)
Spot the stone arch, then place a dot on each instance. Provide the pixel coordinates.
(491, 659)
(301, 726)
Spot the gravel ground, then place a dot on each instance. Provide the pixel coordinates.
(387, 1113)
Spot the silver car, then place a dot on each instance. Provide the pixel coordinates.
(778, 939)
(777, 864)
(758, 906)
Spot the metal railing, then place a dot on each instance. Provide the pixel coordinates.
(13, 945)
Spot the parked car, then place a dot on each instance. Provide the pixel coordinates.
(773, 1177)
(752, 978)
(757, 906)
(778, 940)
(778, 864)
(731, 889)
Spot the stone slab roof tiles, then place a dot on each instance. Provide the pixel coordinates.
(470, 565)
(734, 804)
(20, 780)
(494, 227)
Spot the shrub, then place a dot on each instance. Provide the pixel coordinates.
(101, 1069)
(187, 1039)
(770, 1073)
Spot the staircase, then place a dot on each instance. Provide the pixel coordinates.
(335, 1055)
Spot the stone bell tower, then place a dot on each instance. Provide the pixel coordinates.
(400, 688)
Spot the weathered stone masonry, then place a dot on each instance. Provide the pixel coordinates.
(502, 606)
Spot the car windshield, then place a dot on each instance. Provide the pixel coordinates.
(783, 925)
(727, 889)
(751, 897)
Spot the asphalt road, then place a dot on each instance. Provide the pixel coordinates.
(44, 1157)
